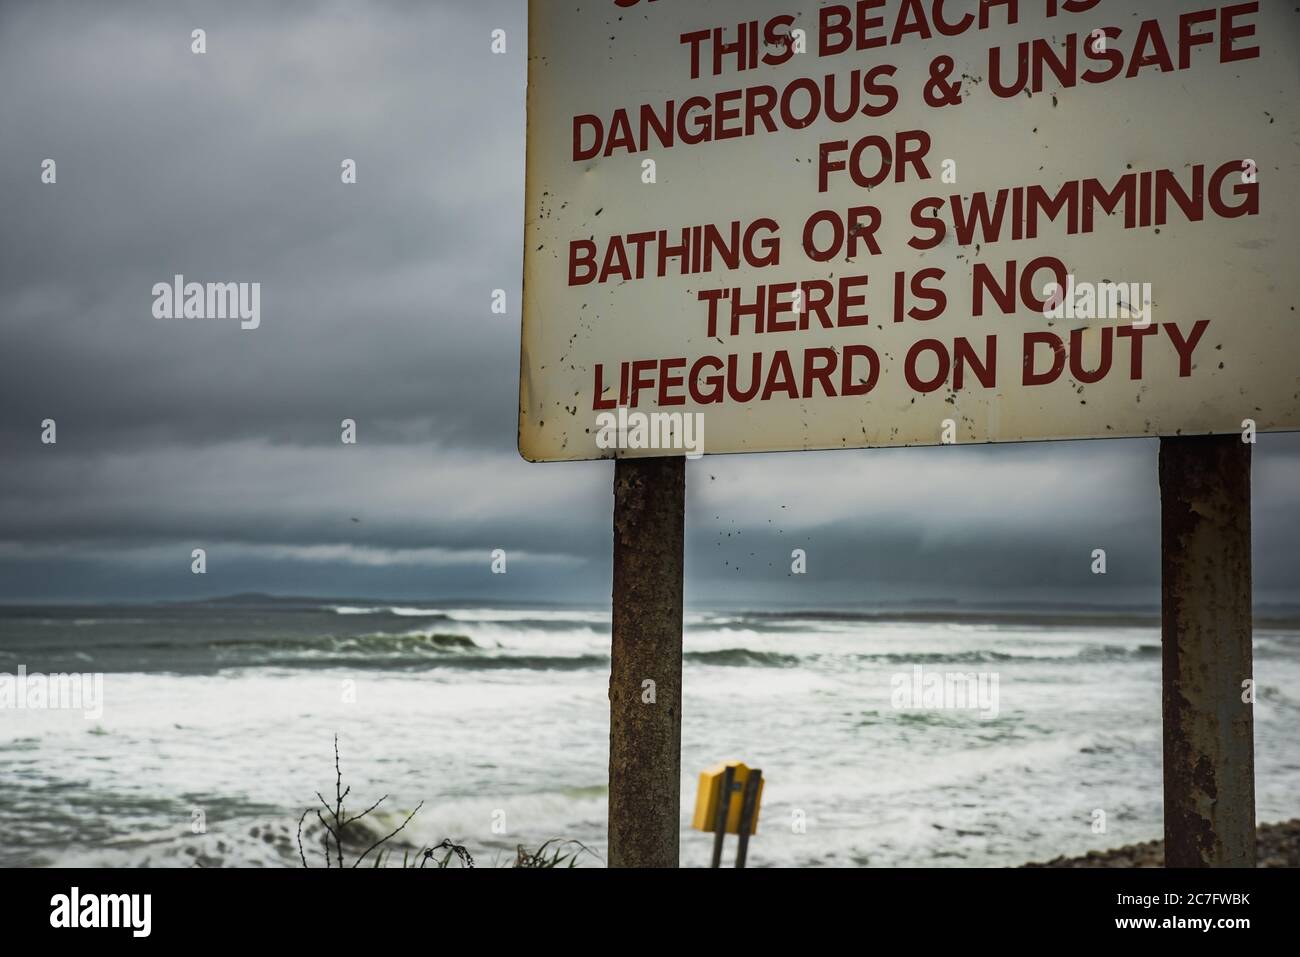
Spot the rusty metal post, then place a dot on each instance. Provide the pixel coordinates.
(1209, 759)
(752, 784)
(645, 720)
(720, 818)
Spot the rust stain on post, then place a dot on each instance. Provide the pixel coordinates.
(645, 736)
(1209, 761)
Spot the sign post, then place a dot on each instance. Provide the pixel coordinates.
(834, 225)
(1209, 761)
(645, 681)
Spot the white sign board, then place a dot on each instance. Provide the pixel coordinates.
(761, 225)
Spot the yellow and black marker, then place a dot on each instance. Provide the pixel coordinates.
(727, 803)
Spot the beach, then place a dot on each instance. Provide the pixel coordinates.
(1278, 845)
(217, 725)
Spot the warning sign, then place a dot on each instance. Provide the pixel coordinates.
(761, 225)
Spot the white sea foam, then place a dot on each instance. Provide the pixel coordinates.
(1078, 728)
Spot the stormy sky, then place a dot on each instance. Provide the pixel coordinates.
(376, 307)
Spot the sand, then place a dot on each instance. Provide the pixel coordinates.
(1278, 846)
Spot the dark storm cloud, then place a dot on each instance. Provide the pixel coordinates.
(226, 166)
(375, 306)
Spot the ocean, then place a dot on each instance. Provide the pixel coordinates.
(218, 723)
